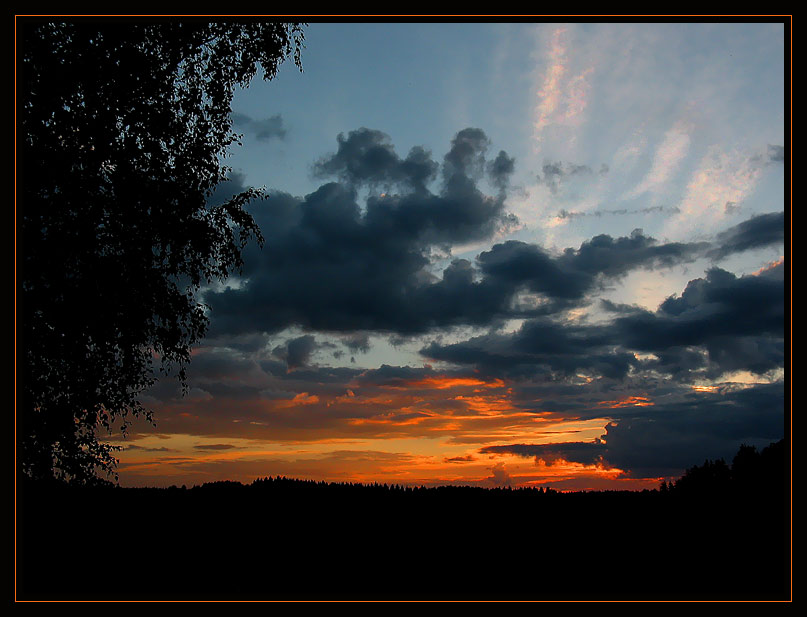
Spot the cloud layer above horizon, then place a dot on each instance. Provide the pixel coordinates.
(494, 316)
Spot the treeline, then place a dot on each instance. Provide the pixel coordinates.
(281, 538)
(762, 472)
(282, 485)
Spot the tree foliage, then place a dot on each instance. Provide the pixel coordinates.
(122, 132)
(750, 471)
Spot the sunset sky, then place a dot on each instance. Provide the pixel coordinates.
(528, 254)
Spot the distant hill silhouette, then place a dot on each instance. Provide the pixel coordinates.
(718, 532)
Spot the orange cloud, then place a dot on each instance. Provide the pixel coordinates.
(769, 267)
(444, 382)
(628, 401)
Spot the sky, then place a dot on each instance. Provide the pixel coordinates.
(496, 254)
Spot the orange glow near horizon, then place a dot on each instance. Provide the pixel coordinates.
(424, 464)
(427, 431)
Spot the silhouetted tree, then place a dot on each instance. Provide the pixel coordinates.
(777, 467)
(122, 129)
(713, 477)
(746, 470)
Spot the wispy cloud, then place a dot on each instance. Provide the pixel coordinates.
(562, 95)
(668, 157)
(722, 180)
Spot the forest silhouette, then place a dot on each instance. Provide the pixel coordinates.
(719, 532)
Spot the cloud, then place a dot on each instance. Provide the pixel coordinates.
(500, 169)
(722, 181)
(357, 342)
(541, 348)
(702, 426)
(263, 130)
(367, 156)
(562, 95)
(737, 321)
(147, 449)
(466, 158)
(666, 439)
(297, 352)
(500, 476)
(566, 214)
(330, 267)
(757, 232)
(669, 155)
(719, 324)
(555, 174)
(573, 273)
(584, 453)
(776, 154)
(330, 264)
(460, 459)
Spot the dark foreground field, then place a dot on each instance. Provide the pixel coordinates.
(284, 539)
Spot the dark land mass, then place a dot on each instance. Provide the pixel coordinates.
(721, 532)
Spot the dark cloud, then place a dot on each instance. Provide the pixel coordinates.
(324, 376)
(776, 154)
(367, 156)
(574, 273)
(297, 351)
(263, 130)
(466, 158)
(619, 308)
(719, 324)
(233, 185)
(566, 214)
(541, 348)
(500, 169)
(585, 453)
(757, 232)
(357, 342)
(215, 447)
(329, 264)
(217, 362)
(556, 173)
(397, 376)
(459, 459)
(738, 321)
(674, 436)
(665, 439)
(144, 449)
(615, 257)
